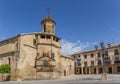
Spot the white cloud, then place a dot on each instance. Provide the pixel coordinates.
(72, 47)
(2, 38)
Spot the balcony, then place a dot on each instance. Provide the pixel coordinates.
(99, 63)
(78, 64)
(116, 62)
(108, 62)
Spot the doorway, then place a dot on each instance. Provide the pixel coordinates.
(100, 70)
(80, 71)
(64, 72)
(94, 70)
(110, 70)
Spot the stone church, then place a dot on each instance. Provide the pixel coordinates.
(36, 55)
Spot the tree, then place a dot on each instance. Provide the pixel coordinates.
(5, 68)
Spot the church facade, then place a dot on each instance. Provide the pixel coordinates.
(36, 55)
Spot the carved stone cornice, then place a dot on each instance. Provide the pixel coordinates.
(8, 53)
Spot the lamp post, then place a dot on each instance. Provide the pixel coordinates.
(103, 55)
(104, 74)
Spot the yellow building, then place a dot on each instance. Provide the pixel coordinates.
(91, 61)
(36, 55)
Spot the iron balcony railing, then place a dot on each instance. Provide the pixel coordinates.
(116, 62)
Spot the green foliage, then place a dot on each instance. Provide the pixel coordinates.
(5, 68)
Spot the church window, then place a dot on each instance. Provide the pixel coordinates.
(44, 28)
(43, 36)
(52, 26)
(56, 39)
(48, 37)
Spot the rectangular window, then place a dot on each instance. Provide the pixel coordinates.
(92, 55)
(106, 53)
(92, 63)
(116, 58)
(99, 62)
(85, 63)
(54, 38)
(78, 62)
(116, 52)
(85, 56)
(98, 54)
(118, 69)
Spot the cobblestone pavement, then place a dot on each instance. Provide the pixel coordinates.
(74, 79)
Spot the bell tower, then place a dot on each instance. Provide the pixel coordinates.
(48, 25)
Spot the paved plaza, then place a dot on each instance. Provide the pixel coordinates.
(74, 79)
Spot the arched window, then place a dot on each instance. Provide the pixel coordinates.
(44, 28)
(52, 26)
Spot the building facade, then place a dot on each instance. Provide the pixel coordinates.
(91, 62)
(36, 55)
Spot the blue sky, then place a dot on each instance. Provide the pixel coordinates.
(87, 21)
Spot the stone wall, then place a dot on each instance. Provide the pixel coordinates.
(67, 66)
(26, 62)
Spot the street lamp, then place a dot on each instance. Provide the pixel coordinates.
(103, 54)
(103, 75)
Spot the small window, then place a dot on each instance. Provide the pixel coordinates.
(48, 37)
(85, 63)
(78, 62)
(53, 26)
(43, 36)
(74, 56)
(85, 56)
(106, 53)
(98, 54)
(92, 63)
(57, 40)
(44, 28)
(92, 55)
(116, 52)
(54, 38)
(118, 69)
(99, 62)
